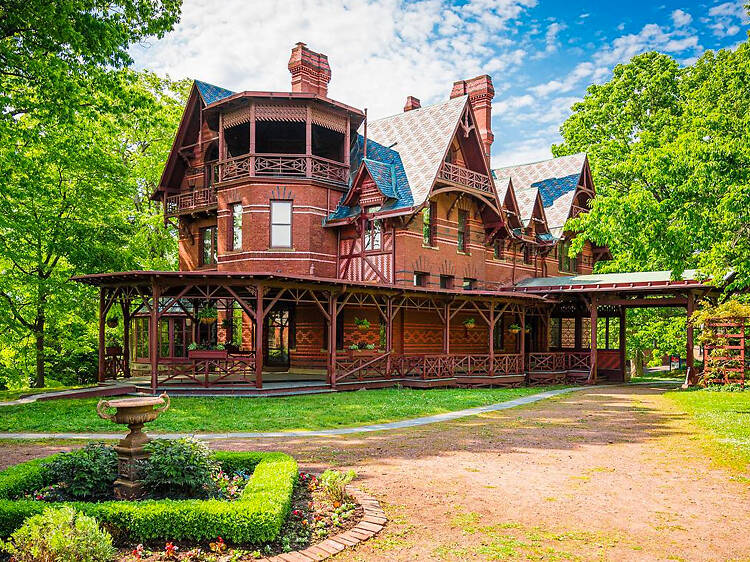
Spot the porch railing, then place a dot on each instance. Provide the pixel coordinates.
(196, 200)
(465, 177)
(283, 165)
(426, 366)
(209, 372)
(549, 361)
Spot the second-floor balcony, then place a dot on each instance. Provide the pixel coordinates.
(284, 166)
(464, 177)
(193, 201)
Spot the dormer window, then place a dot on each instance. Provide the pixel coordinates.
(373, 230)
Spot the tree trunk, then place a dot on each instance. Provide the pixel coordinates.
(638, 363)
(39, 326)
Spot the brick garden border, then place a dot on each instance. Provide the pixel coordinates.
(372, 522)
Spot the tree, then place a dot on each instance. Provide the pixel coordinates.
(76, 201)
(53, 54)
(671, 161)
(68, 161)
(669, 148)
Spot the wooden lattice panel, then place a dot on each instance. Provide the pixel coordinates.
(727, 358)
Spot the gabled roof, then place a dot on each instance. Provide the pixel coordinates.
(421, 137)
(385, 167)
(527, 199)
(211, 93)
(556, 181)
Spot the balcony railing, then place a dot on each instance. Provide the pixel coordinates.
(191, 201)
(465, 177)
(283, 165)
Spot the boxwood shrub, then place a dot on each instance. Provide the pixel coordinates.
(255, 518)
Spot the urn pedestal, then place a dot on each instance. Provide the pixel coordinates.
(133, 412)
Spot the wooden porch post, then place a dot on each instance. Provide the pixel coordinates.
(447, 329)
(153, 337)
(252, 139)
(308, 142)
(125, 304)
(690, 376)
(102, 315)
(333, 315)
(522, 343)
(389, 334)
(623, 319)
(259, 317)
(594, 317)
(491, 336)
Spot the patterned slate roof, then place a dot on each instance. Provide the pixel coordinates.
(211, 93)
(387, 171)
(556, 181)
(502, 185)
(526, 199)
(421, 138)
(382, 174)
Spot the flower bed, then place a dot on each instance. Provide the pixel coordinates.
(256, 517)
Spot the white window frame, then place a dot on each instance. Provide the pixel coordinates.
(278, 227)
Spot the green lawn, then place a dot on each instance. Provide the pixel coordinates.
(212, 414)
(725, 415)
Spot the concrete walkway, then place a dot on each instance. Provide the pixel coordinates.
(319, 433)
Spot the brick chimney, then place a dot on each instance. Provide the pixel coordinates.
(480, 92)
(310, 71)
(412, 103)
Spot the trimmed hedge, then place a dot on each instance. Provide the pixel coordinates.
(255, 518)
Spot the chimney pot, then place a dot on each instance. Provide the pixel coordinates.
(412, 103)
(310, 70)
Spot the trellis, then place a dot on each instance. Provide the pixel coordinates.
(727, 351)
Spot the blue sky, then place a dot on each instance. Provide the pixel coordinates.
(541, 54)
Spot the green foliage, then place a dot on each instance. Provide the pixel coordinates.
(728, 309)
(60, 535)
(88, 473)
(25, 478)
(334, 483)
(179, 468)
(669, 148)
(257, 517)
(83, 143)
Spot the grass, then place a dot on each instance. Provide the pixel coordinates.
(725, 416)
(305, 412)
(15, 394)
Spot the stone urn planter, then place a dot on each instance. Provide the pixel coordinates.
(133, 412)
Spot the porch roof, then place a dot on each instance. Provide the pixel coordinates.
(144, 279)
(643, 282)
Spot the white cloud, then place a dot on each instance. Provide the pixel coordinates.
(681, 18)
(523, 151)
(551, 41)
(380, 51)
(725, 19)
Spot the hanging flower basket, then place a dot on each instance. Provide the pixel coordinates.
(112, 322)
(514, 329)
(362, 324)
(470, 323)
(207, 315)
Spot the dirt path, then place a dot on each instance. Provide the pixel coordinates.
(611, 473)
